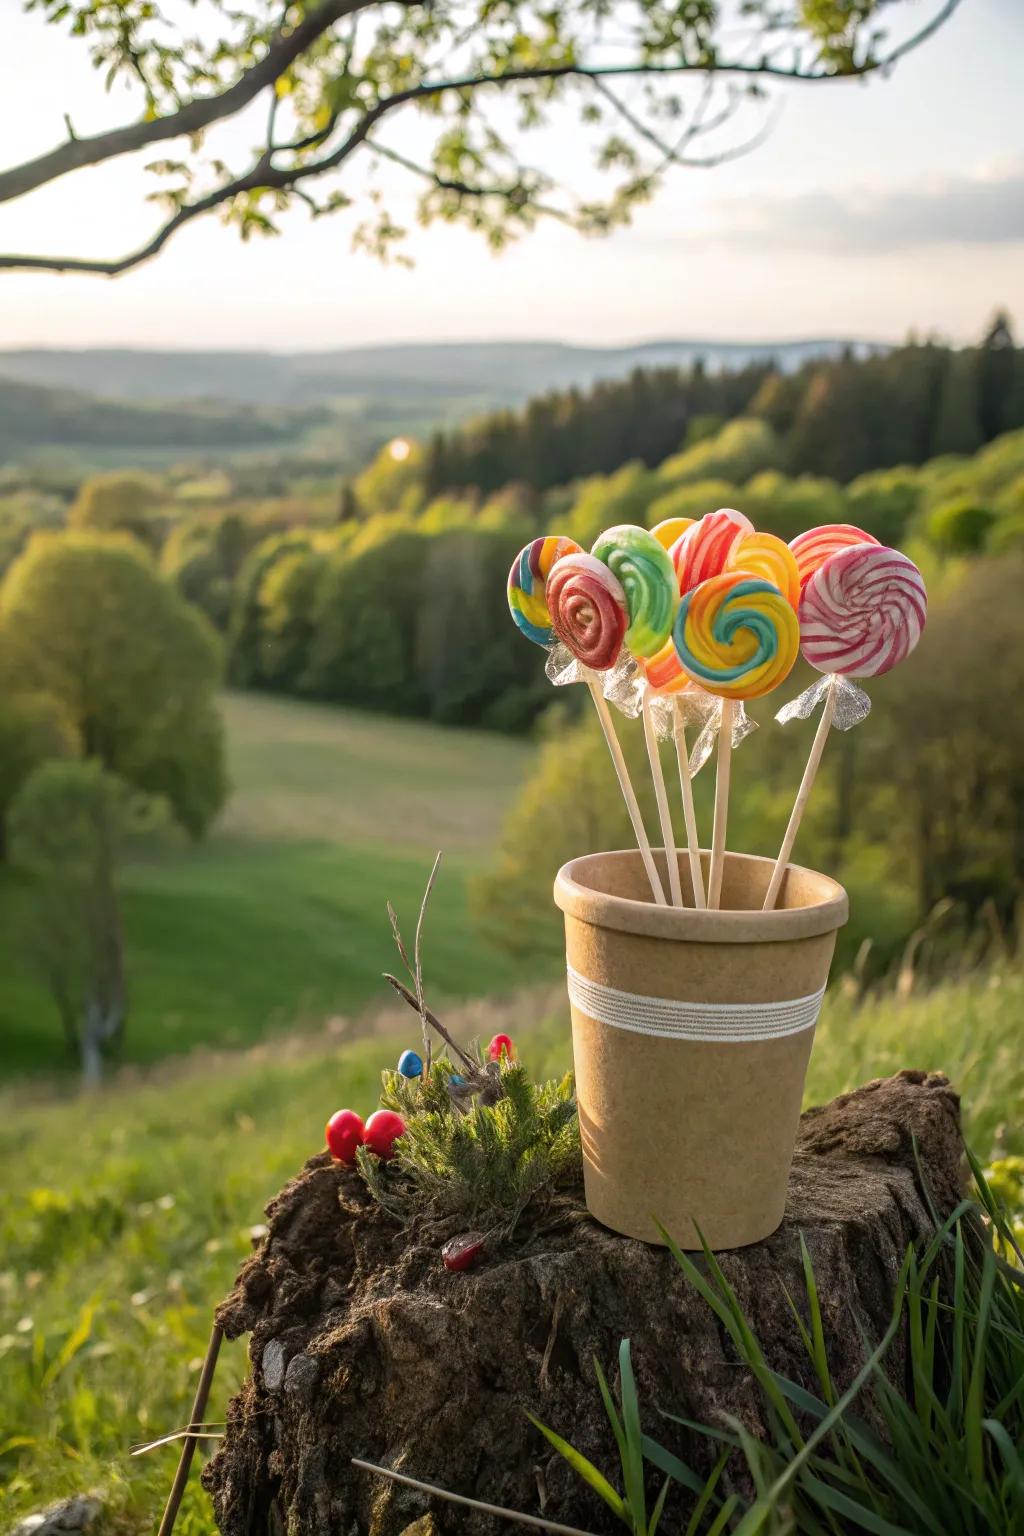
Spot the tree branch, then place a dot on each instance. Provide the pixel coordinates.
(76, 153)
(265, 176)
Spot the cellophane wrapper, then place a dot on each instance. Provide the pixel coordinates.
(852, 703)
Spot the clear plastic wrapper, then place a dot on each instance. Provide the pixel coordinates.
(618, 684)
(852, 703)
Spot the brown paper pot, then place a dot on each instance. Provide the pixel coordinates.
(691, 1036)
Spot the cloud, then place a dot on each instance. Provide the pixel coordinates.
(955, 210)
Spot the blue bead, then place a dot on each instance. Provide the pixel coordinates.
(456, 1079)
(410, 1065)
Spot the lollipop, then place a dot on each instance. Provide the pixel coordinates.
(704, 548)
(643, 567)
(862, 612)
(526, 583)
(671, 530)
(813, 548)
(738, 637)
(588, 610)
(762, 554)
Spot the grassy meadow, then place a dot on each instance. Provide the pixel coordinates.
(278, 919)
(124, 1217)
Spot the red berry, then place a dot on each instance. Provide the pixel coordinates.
(501, 1046)
(382, 1131)
(461, 1252)
(345, 1132)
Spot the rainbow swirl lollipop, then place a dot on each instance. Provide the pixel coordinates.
(704, 548)
(813, 548)
(588, 610)
(643, 567)
(526, 586)
(862, 611)
(762, 554)
(671, 530)
(736, 635)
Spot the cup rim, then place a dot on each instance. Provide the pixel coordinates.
(588, 903)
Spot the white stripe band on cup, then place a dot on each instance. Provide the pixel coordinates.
(674, 1020)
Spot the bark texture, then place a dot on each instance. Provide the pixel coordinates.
(363, 1344)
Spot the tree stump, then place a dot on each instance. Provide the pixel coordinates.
(364, 1345)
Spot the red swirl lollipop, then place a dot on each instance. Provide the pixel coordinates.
(588, 610)
(703, 549)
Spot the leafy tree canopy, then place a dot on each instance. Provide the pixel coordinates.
(329, 78)
(87, 620)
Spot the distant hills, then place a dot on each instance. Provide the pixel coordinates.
(492, 373)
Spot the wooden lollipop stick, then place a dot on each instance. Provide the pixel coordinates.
(188, 1448)
(689, 814)
(724, 772)
(626, 785)
(803, 794)
(661, 796)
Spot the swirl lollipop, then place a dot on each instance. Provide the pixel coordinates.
(738, 637)
(862, 612)
(704, 548)
(588, 610)
(813, 548)
(643, 567)
(585, 607)
(526, 586)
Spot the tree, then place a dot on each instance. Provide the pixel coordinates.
(32, 730)
(87, 620)
(122, 501)
(335, 74)
(68, 823)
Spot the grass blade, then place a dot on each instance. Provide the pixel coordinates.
(585, 1469)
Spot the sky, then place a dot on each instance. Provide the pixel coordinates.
(873, 209)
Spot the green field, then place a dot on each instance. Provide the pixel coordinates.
(124, 1218)
(278, 920)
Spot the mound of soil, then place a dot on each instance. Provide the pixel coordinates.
(363, 1344)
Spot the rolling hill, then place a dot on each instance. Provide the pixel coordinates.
(492, 373)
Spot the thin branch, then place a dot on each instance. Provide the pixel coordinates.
(465, 188)
(76, 153)
(417, 952)
(433, 1021)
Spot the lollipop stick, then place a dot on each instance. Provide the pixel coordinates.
(689, 814)
(803, 794)
(661, 796)
(625, 784)
(724, 771)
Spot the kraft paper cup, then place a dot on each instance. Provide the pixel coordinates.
(691, 1036)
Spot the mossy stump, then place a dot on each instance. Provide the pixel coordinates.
(363, 1344)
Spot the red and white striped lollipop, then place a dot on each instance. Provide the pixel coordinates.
(862, 611)
(813, 548)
